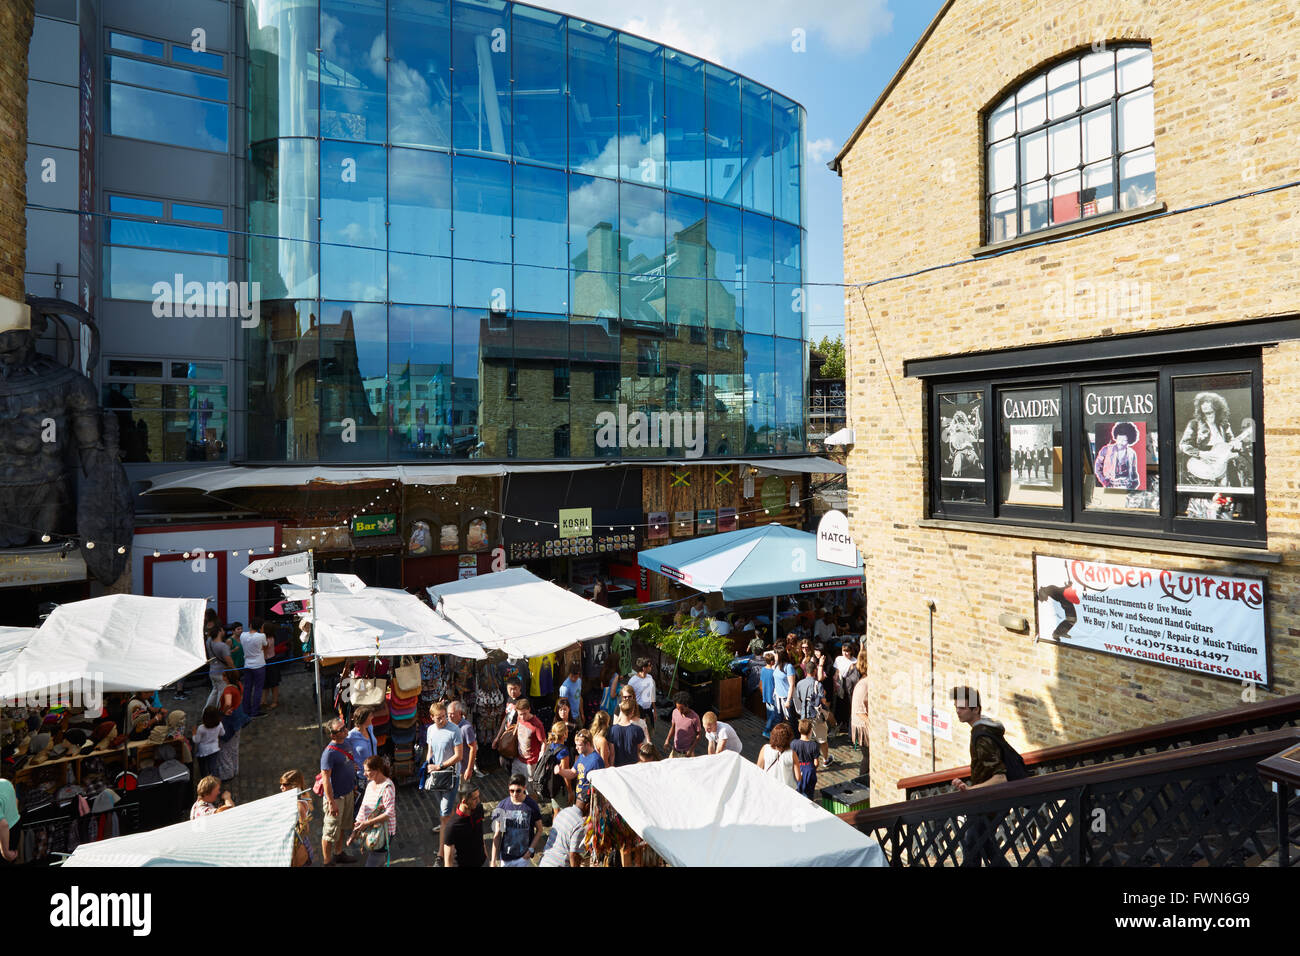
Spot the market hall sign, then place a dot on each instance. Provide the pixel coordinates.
(575, 522)
(368, 525)
(1207, 624)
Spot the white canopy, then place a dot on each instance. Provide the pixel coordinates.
(723, 811)
(12, 641)
(381, 620)
(123, 642)
(260, 833)
(518, 612)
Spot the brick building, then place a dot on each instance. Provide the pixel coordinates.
(1074, 347)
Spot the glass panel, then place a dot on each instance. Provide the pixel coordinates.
(540, 112)
(724, 267)
(1121, 444)
(283, 190)
(482, 221)
(1030, 450)
(1002, 165)
(1031, 104)
(480, 76)
(472, 433)
(593, 99)
(419, 74)
(641, 110)
(960, 453)
(283, 352)
(541, 234)
(1065, 198)
(593, 245)
(159, 77)
(756, 239)
(1215, 419)
(1136, 120)
(198, 214)
(204, 60)
(1002, 121)
(1097, 73)
(132, 232)
(790, 405)
(1033, 207)
(685, 125)
(352, 75)
(419, 381)
(1033, 157)
(134, 368)
(756, 120)
(123, 41)
(419, 230)
(1064, 146)
(1002, 217)
(1063, 90)
(790, 306)
(164, 118)
(760, 395)
(641, 256)
(687, 256)
(724, 403)
(1097, 141)
(135, 207)
(594, 390)
(353, 381)
(642, 390)
(1137, 179)
(353, 185)
(196, 370)
(724, 151)
(130, 274)
(787, 129)
(282, 68)
(1098, 189)
(1133, 66)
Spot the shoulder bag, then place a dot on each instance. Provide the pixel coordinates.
(368, 691)
(376, 837)
(406, 678)
(507, 742)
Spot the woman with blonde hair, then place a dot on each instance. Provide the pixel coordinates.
(600, 737)
(558, 744)
(858, 710)
(294, 780)
(208, 792)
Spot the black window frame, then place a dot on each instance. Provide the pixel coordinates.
(1072, 515)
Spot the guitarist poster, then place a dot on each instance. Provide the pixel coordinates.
(1215, 444)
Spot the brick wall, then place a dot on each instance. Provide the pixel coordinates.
(16, 18)
(1227, 120)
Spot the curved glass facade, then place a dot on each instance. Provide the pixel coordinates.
(479, 225)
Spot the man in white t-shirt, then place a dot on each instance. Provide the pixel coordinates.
(643, 685)
(719, 624)
(256, 650)
(721, 737)
(824, 629)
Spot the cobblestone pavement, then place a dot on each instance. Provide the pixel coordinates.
(288, 738)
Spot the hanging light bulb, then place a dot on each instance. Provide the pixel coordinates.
(121, 550)
(209, 554)
(90, 544)
(156, 554)
(45, 538)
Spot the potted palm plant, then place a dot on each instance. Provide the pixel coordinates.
(703, 665)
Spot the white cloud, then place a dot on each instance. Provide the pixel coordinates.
(723, 30)
(820, 150)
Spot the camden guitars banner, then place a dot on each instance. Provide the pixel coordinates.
(1208, 624)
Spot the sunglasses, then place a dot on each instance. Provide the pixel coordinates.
(516, 789)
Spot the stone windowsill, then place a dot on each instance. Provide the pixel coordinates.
(1069, 228)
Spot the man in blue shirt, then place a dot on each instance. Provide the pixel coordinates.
(584, 763)
(516, 826)
(768, 680)
(339, 765)
(572, 690)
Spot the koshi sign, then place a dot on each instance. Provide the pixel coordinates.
(575, 522)
(834, 543)
(272, 569)
(1209, 624)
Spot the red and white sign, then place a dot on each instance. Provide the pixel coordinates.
(942, 724)
(905, 738)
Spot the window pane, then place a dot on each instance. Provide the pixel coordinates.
(541, 230)
(1064, 146)
(205, 60)
(788, 424)
(1215, 419)
(1065, 198)
(1031, 104)
(1002, 165)
(1030, 451)
(1136, 120)
(196, 370)
(539, 108)
(1002, 121)
(134, 368)
(961, 446)
(419, 381)
(687, 254)
(132, 232)
(760, 395)
(788, 130)
(1133, 65)
(1033, 207)
(685, 123)
(594, 370)
(790, 306)
(593, 99)
(283, 190)
(641, 255)
(135, 207)
(283, 352)
(197, 214)
(1098, 189)
(1063, 90)
(593, 245)
(758, 314)
(131, 273)
(283, 68)
(123, 41)
(353, 381)
(419, 231)
(1097, 141)
(480, 76)
(1002, 217)
(482, 221)
(641, 121)
(724, 403)
(756, 188)
(1033, 157)
(1137, 179)
(1097, 77)
(724, 293)
(352, 81)
(165, 118)
(724, 134)
(1120, 445)
(159, 77)
(353, 186)
(419, 76)
(466, 419)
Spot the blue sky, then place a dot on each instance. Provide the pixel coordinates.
(851, 50)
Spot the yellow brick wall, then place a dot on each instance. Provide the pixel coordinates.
(16, 18)
(1227, 120)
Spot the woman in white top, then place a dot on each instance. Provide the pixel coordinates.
(775, 758)
(629, 694)
(378, 809)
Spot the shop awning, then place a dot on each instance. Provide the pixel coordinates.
(12, 641)
(260, 833)
(119, 642)
(518, 612)
(723, 811)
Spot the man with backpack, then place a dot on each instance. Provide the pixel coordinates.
(992, 760)
(810, 700)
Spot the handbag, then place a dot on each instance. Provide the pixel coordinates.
(375, 839)
(507, 742)
(368, 691)
(406, 678)
(441, 779)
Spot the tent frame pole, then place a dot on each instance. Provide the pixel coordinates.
(320, 716)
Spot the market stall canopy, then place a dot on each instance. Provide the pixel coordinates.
(518, 612)
(12, 641)
(723, 811)
(126, 641)
(260, 833)
(751, 563)
(385, 621)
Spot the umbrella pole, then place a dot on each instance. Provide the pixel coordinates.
(773, 620)
(320, 716)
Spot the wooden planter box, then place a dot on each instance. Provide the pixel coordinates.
(728, 694)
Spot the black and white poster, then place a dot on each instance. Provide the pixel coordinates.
(1033, 456)
(1215, 443)
(961, 436)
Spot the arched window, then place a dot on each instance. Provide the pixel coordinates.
(1057, 145)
